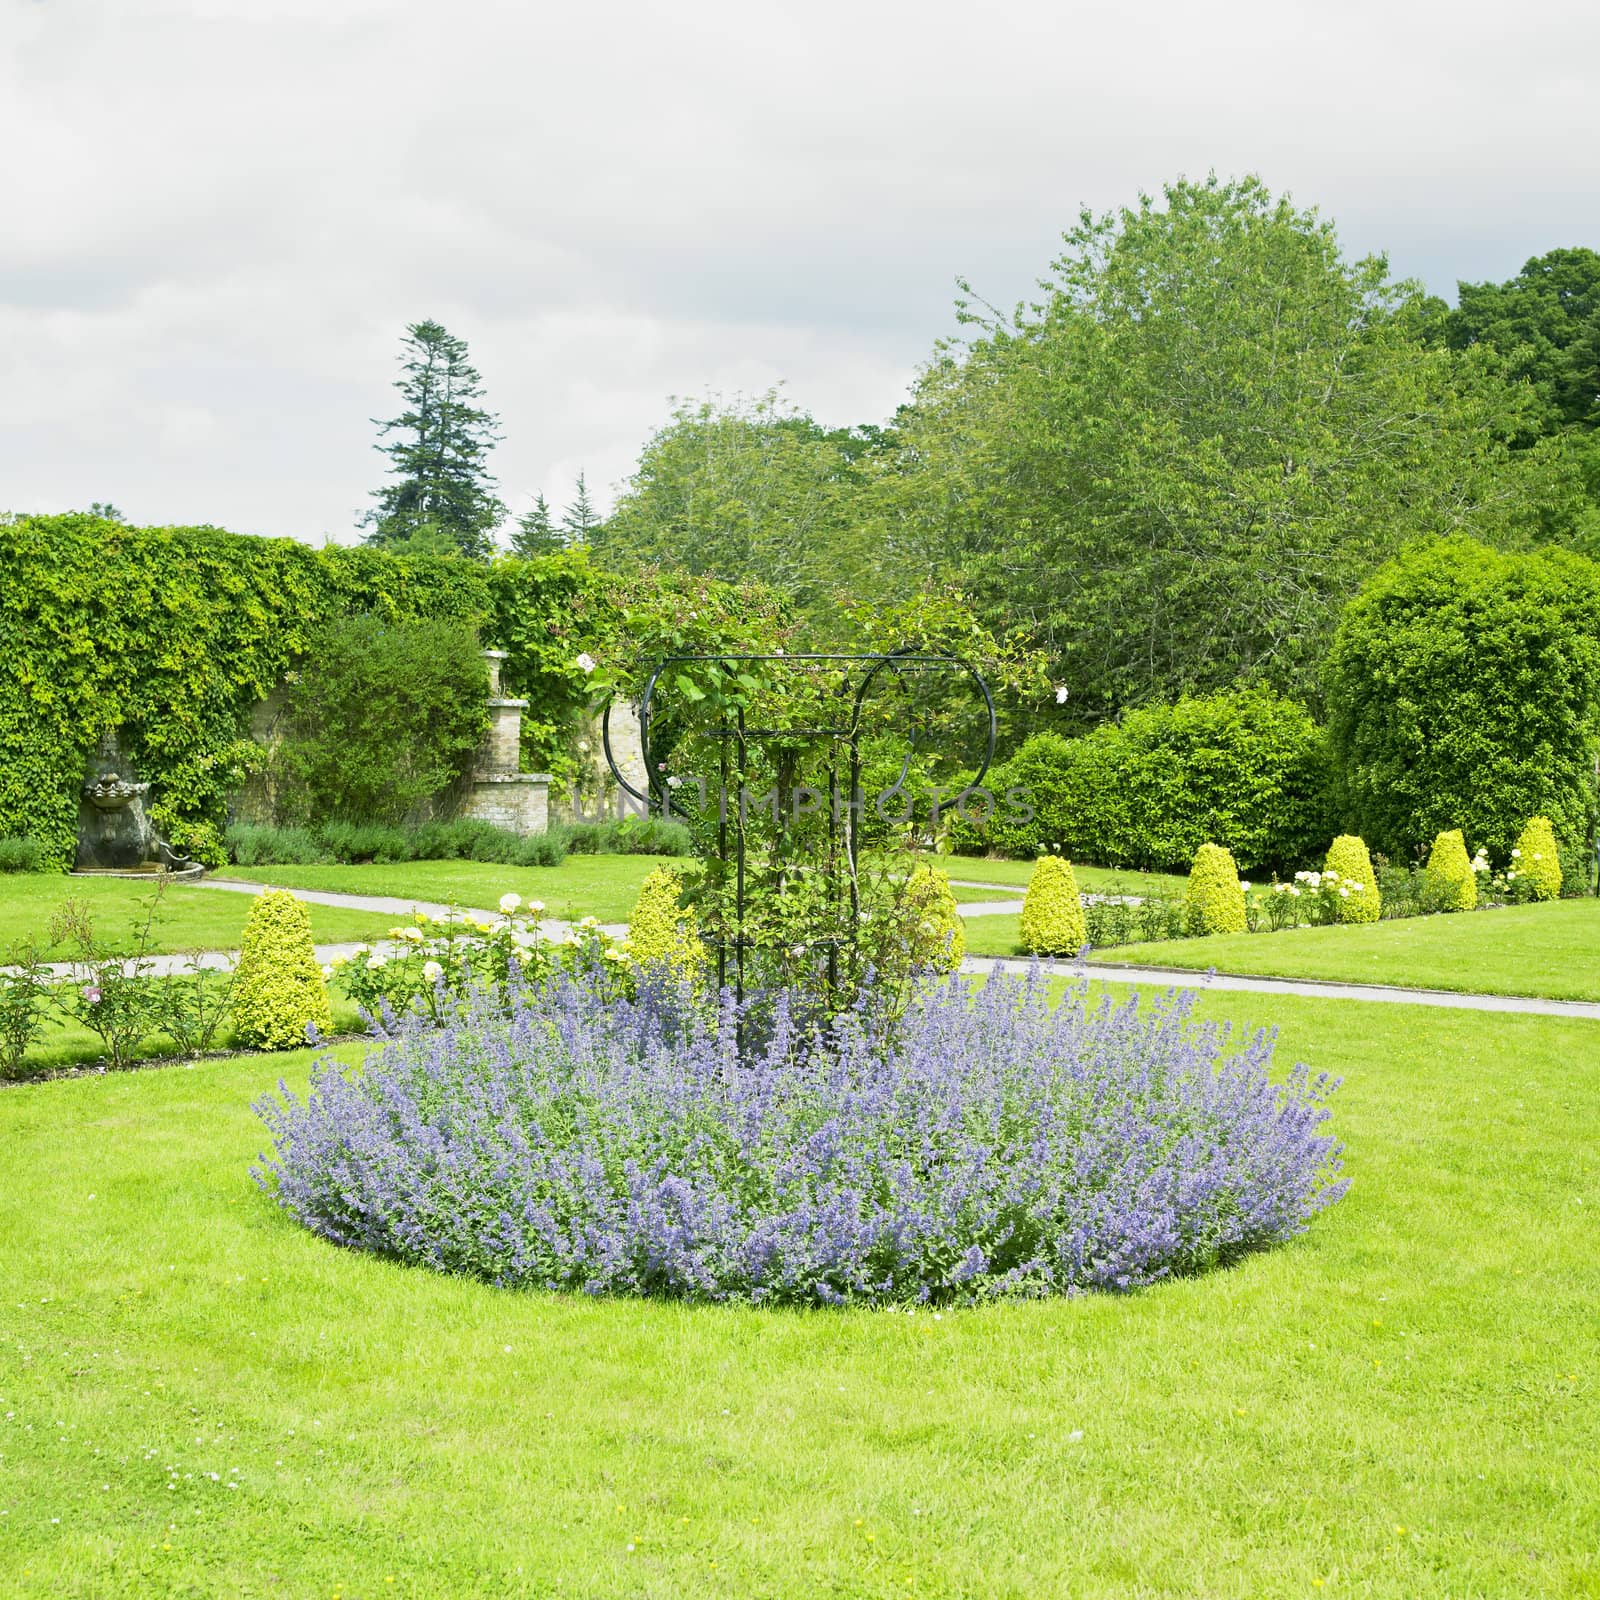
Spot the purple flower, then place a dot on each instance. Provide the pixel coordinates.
(986, 1144)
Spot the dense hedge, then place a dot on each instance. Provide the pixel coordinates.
(1464, 692)
(172, 635)
(1242, 770)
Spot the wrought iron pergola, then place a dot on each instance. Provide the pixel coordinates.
(838, 750)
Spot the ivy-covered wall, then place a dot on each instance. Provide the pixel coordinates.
(170, 636)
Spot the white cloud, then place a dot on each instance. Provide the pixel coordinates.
(219, 216)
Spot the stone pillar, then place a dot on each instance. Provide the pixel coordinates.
(510, 799)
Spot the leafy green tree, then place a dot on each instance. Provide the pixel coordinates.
(753, 490)
(536, 533)
(439, 451)
(383, 720)
(580, 519)
(1544, 326)
(1172, 469)
(1464, 692)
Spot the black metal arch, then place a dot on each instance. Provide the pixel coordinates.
(657, 793)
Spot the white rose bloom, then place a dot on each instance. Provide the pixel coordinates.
(1344, 891)
(536, 906)
(374, 962)
(412, 935)
(586, 662)
(1245, 886)
(327, 972)
(510, 902)
(1061, 694)
(1516, 855)
(432, 971)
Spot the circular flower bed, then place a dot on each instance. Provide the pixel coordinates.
(988, 1143)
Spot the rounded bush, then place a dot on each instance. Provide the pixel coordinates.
(661, 931)
(1241, 768)
(989, 1145)
(1463, 687)
(1358, 899)
(1536, 859)
(1053, 922)
(1448, 880)
(1214, 902)
(278, 992)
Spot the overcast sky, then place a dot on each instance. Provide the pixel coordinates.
(219, 215)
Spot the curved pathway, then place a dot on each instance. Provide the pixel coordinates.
(1166, 977)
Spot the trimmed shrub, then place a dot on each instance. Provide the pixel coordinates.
(1537, 859)
(1241, 769)
(1214, 902)
(1464, 691)
(935, 932)
(1348, 857)
(1052, 921)
(661, 929)
(1449, 883)
(992, 1144)
(20, 855)
(278, 992)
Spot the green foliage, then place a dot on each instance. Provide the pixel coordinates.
(278, 989)
(1536, 859)
(1544, 327)
(1449, 882)
(1464, 689)
(20, 855)
(661, 929)
(1173, 469)
(580, 519)
(171, 636)
(1052, 921)
(24, 1000)
(1215, 901)
(754, 491)
(1350, 864)
(535, 533)
(382, 717)
(443, 496)
(933, 921)
(1241, 768)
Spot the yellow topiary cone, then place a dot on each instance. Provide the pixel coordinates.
(278, 990)
(1053, 923)
(1448, 877)
(1537, 860)
(661, 931)
(1348, 860)
(937, 935)
(1215, 900)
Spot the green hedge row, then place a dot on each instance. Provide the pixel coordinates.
(1241, 770)
(172, 635)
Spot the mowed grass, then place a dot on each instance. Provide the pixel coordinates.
(1550, 950)
(191, 918)
(1403, 1402)
(603, 886)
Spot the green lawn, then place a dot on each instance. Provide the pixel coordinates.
(582, 886)
(1401, 1403)
(1549, 950)
(192, 918)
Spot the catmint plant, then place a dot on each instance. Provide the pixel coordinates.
(983, 1144)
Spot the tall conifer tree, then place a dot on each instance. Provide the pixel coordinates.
(442, 492)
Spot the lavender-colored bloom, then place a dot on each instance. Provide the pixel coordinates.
(984, 1144)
